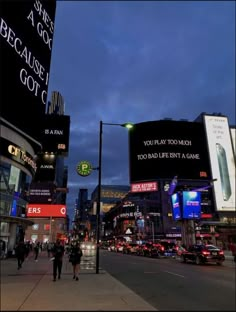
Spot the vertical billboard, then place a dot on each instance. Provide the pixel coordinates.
(26, 35)
(175, 200)
(222, 161)
(191, 205)
(167, 148)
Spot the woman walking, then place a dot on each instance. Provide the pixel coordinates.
(75, 258)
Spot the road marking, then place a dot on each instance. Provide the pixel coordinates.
(174, 274)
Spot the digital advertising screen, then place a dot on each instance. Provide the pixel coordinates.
(176, 206)
(42, 210)
(55, 132)
(191, 205)
(26, 40)
(168, 148)
(222, 161)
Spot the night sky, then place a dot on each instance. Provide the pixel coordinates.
(136, 61)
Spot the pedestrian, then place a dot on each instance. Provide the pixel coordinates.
(75, 258)
(36, 251)
(57, 253)
(27, 250)
(20, 254)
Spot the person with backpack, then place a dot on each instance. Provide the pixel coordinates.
(75, 258)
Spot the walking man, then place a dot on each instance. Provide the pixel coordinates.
(20, 254)
(57, 253)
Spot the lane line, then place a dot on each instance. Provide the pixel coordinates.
(174, 274)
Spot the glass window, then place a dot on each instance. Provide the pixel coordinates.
(35, 227)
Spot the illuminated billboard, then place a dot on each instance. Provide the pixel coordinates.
(144, 187)
(55, 132)
(222, 161)
(42, 192)
(191, 205)
(167, 148)
(176, 209)
(26, 37)
(42, 210)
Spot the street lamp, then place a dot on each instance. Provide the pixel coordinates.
(125, 125)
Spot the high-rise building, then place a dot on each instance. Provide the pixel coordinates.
(56, 105)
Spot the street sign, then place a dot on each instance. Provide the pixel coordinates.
(84, 168)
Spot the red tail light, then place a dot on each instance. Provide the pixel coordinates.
(206, 253)
(221, 252)
(162, 248)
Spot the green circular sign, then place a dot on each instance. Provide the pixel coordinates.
(84, 168)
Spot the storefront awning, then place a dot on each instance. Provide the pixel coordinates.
(17, 220)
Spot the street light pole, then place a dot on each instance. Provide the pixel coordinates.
(99, 196)
(128, 126)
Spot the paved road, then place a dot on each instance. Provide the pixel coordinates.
(168, 284)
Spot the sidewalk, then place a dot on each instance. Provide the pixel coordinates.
(32, 289)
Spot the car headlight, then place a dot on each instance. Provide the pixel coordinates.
(88, 247)
(82, 246)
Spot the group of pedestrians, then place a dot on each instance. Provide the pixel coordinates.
(57, 251)
(75, 254)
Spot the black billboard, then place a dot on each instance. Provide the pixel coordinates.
(26, 34)
(166, 148)
(55, 132)
(42, 192)
(46, 168)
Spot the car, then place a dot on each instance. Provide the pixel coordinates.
(149, 249)
(130, 248)
(119, 247)
(88, 245)
(200, 254)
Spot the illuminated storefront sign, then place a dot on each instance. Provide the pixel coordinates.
(41, 210)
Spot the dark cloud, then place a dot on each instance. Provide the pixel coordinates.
(121, 61)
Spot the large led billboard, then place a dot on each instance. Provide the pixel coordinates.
(222, 160)
(167, 148)
(176, 209)
(42, 210)
(26, 36)
(191, 205)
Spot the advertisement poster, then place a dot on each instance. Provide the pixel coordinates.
(191, 205)
(222, 161)
(176, 206)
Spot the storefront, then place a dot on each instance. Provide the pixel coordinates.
(17, 168)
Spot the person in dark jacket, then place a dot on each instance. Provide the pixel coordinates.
(75, 258)
(20, 254)
(57, 253)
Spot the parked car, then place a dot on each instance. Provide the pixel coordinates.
(203, 254)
